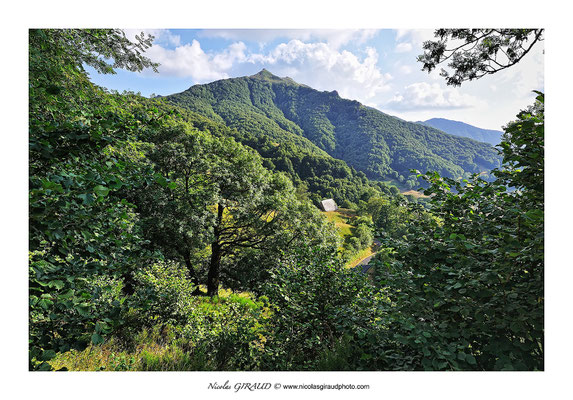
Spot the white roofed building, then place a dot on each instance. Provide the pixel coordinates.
(328, 205)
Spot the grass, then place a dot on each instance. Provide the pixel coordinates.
(340, 218)
(415, 193)
(156, 350)
(217, 335)
(367, 252)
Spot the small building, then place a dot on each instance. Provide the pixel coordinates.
(328, 205)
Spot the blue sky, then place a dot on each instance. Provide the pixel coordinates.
(376, 67)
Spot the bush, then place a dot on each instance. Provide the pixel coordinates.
(317, 302)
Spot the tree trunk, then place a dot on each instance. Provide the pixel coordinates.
(214, 269)
(216, 254)
(128, 288)
(192, 272)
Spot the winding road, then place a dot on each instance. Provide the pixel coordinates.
(366, 260)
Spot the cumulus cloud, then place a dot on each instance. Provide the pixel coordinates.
(321, 65)
(353, 76)
(325, 68)
(191, 61)
(426, 96)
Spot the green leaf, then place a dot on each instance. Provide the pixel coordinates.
(83, 310)
(471, 359)
(87, 198)
(57, 284)
(45, 367)
(97, 339)
(48, 355)
(161, 180)
(101, 191)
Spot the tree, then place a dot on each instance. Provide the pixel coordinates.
(216, 193)
(476, 53)
(467, 287)
(83, 239)
(93, 47)
(174, 215)
(326, 317)
(250, 204)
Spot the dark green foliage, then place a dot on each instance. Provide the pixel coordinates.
(83, 241)
(481, 51)
(467, 288)
(217, 194)
(325, 316)
(100, 164)
(286, 121)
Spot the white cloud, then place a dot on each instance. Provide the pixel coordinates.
(405, 69)
(403, 47)
(525, 76)
(235, 53)
(323, 67)
(426, 96)
(334, 37)
(415, 36)
(320, 65)
(191, 61)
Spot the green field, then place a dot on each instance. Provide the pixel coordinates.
(340, 218)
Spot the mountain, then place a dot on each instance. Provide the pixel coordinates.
(266, 109)
(459, 128)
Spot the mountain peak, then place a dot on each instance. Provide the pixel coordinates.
(264, 74)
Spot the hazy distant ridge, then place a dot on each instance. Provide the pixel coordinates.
(462, 129)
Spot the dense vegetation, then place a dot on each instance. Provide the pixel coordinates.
(267, 109)
(458, 128)
(159, 242)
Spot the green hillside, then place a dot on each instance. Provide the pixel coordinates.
(319, 123)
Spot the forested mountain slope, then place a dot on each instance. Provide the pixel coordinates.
(459, 128)
(383, 147)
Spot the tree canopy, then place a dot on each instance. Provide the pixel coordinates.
(467, 285)
(475, 53)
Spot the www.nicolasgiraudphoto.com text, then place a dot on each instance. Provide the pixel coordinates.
(255, 386)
